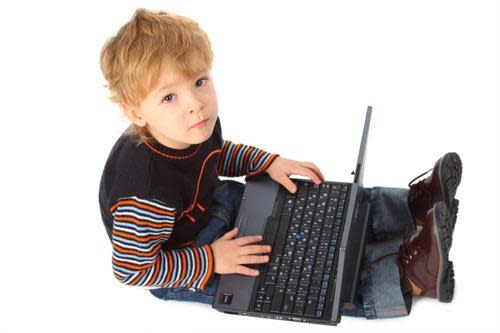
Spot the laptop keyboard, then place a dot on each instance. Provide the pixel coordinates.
(304, 251)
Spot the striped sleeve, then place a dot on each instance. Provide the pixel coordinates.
(140, 226)
(239, 160)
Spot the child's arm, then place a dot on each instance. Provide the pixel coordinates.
(239, 160)
(140, 226)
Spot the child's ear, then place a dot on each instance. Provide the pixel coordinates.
(132, 114)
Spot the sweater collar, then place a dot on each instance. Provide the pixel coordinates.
(172, 153)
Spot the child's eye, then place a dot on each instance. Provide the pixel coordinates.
(168, 98)
(205, 79)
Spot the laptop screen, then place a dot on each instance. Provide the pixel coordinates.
(360, 165)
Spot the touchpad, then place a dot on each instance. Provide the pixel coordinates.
(251, 225)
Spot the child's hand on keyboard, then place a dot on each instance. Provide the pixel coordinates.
(231, 254)
(281, 168)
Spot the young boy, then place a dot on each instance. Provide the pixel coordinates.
(164, 207)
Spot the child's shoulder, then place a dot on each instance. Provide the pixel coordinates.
(128, 166)
(128, 153)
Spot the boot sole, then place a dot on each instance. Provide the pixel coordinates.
(450, 175)
(448, 284)
(454, 213)
(442, 231)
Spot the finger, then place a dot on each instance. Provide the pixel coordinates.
(287, 183)
(246, 271)
(315, 168)
(309, 173)
(253, 259)
(230, 234)
(253, 249)
(248, 240)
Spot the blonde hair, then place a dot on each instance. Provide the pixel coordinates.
(132, 60)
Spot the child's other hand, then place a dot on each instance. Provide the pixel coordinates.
(231, 254)
(281, 168)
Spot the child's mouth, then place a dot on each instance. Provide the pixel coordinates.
(201, 124)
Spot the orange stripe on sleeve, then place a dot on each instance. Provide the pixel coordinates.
(169, 268)
(269, 161)
(138, 277)
(143, 223)
(245, 160)
(145, 206)
(129, 265)
(120, 249)
(210, 266)
(156, 272)
(259, 155)
(232, 163)
(137, 238)
(197, 266)
(184, 268)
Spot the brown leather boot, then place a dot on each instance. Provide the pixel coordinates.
(423, 260)
(441, 185)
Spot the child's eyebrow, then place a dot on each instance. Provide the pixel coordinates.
(167, 85)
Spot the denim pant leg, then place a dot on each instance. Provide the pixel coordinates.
(222, 212)
(379, 288)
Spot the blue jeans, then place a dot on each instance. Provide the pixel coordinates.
(378, 294)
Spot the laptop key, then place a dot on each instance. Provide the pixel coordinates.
(273, 268)
(285, 262)
(277, 300)
(301, 297)
(291, 288)
(281, 234)
(315, 284)
(313, 293)
(281, 282)
(258, 306)
(287, 210)
(269, 294)
(270, 278)
(302, 288)
(298, 309)
(310, 310)
(288, 302)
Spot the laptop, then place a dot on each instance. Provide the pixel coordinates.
(317, 236)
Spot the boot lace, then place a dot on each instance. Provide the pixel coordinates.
(409, 184)
(408, 250)
(419, 188)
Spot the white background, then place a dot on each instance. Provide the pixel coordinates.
(293, 78)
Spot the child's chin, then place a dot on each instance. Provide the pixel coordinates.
(202, 139)
(203, 136)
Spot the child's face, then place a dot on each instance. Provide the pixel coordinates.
(172, 109)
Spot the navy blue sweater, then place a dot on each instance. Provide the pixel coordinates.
(153, 199)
